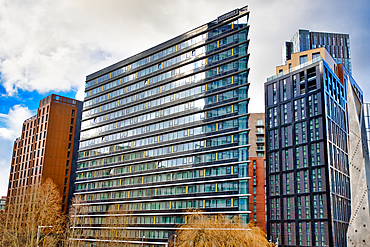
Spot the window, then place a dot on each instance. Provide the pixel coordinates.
(67, 172)
(67, 163)
(259, 122)
(73, 113)
(70, 138)
(260, 147)
(294, 85)
(303, 59)
(315, 55)
(71, 129)
(69, 146)
(284, 90)
(72, 120)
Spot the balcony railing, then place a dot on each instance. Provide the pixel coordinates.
(295, 68)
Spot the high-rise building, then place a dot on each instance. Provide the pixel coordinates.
(308, 152)
(256, 170)
(337, 44)
(166, 131)
(47, 148)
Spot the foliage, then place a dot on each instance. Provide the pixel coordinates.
(218, 230)
(72, 234)
(112, 228)
(33, 209)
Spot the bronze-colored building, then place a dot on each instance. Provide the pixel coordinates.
(256, 169)
(47, 148)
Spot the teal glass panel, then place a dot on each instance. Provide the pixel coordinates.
(243, 123)
(243, 170)
(243, 154)
(243, 138)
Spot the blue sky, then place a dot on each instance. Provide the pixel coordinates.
(50, 46)
(26, 98)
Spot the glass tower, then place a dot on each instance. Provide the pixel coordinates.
(307, 159)
(337, 44)
(166, 131)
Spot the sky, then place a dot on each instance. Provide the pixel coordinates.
(49, 46)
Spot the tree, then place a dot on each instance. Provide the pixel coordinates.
(73, 236)
(115, 225)
(219, 231)
(112, 227)
(37, 209)
(2, 224)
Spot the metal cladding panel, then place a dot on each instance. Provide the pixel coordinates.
(359, 229)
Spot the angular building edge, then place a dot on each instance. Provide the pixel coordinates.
(359, 229)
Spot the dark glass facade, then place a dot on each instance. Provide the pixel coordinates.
(166, 131)
(308, 183)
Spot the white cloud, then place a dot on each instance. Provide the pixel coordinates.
(80, 94)
(48, 45)
(51, 45)
(13, 122)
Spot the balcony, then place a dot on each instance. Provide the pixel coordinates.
(260, 123)
(260, 140)
(260, 132)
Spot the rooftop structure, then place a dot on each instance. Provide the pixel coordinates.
(337, 45)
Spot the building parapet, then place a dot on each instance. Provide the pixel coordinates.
(295, 68)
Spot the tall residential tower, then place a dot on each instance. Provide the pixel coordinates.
(166, 131)
(47, 148)
(315, 154)
(308, 188)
